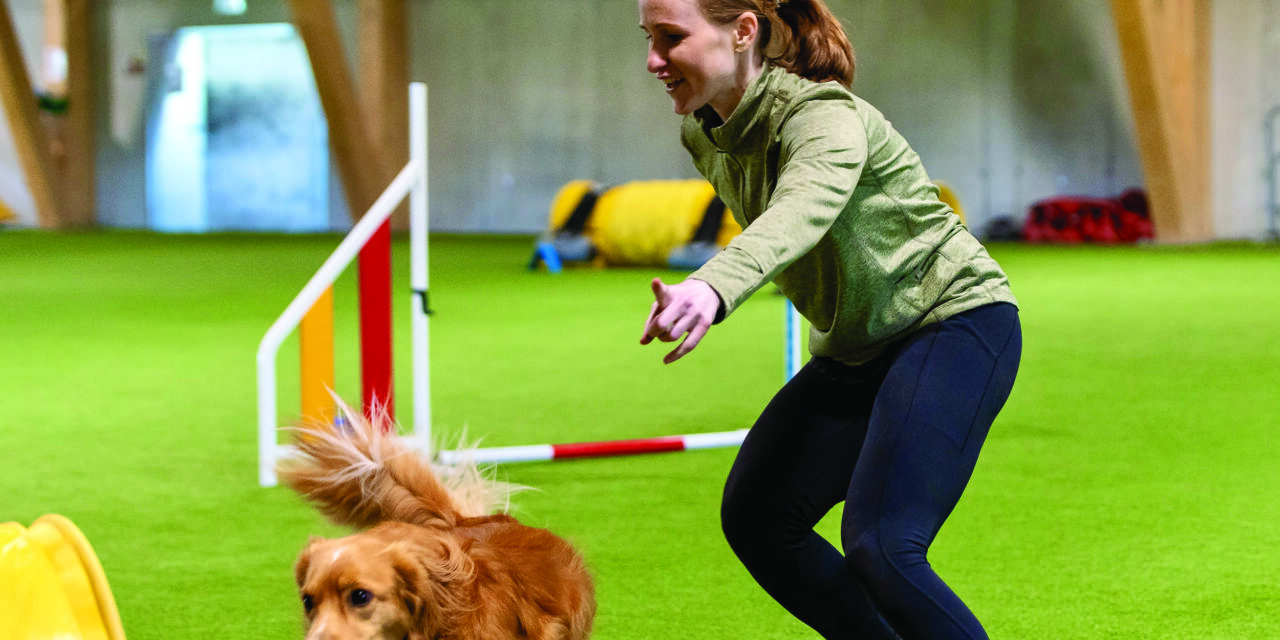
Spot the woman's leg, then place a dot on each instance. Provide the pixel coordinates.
(793, 467)
(932, 414)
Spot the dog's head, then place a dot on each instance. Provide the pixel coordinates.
(381, 587)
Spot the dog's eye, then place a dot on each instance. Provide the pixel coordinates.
(308, 603)
(360, 597)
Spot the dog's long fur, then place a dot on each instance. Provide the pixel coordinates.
(431, 562)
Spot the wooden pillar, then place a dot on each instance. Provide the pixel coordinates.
(358, 132)
(384, 86)
(19, 102)
(353, 150)
(78, 172)
(1166, 50)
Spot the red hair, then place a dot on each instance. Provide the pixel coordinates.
(801, 36)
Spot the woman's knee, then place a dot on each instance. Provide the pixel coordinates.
(758, 521)
(864, 555)
(878, 559)
(739, 516)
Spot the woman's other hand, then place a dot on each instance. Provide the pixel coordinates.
(689, 307)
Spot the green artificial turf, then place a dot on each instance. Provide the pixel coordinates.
(1129, 490)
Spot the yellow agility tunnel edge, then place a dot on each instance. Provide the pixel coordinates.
(52, 585)
(639, 223)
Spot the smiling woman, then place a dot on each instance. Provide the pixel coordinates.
(698, 60)
(914, 330)
(700, 45)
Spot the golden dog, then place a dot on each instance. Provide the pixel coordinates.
(431, 564)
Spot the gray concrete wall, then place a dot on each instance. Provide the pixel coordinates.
(1246, 84)
(1010, 101)
(526, 96)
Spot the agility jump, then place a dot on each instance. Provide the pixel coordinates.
(311, 313)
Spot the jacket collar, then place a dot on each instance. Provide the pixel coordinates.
(727, 134)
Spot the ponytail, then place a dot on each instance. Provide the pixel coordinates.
(801, 36)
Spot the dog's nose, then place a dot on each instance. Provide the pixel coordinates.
(319, 631)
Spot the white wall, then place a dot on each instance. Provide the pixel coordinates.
(1008, 100)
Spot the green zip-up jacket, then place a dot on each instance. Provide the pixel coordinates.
(837, 210)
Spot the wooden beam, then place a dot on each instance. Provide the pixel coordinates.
(359, 167)
(72, 132)
(384, 86)
(1165, 45)
(19, 102)
(361, 163)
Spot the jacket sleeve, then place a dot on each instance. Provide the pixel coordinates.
(823, 149)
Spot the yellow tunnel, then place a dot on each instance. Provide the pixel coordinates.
(640, 223)
(52, 585)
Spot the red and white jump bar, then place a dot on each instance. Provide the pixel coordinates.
(542, 452)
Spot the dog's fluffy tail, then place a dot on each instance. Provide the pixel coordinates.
(361, 473)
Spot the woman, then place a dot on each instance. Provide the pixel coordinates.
(914, 331)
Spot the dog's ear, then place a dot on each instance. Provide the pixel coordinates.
(413, 580)
(434, 575)
(303, 564)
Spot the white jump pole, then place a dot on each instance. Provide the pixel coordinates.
(418, 271)
(543, 452)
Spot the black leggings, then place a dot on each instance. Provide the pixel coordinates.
(896, 439)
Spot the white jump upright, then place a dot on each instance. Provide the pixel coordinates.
(411, 182)
(418, 280)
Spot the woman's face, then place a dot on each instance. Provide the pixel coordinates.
(692, 56)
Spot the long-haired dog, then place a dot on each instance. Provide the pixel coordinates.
(430, 562)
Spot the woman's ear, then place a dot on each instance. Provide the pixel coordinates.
(746, 30)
